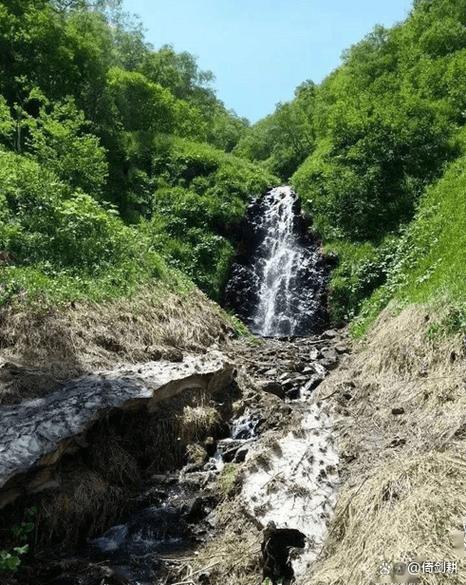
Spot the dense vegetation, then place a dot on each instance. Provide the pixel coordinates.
(363, 147)
(113, 157)
(118, 164)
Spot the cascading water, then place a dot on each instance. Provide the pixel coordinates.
(278, 281)
(281, 258)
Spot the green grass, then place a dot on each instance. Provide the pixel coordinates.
(362, 267)
(228, 481)
(35, 285)
(430, 260)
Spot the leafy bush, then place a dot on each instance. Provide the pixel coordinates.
(60, 143)
(10, 560)
(60, 242)
(366, 176)
(361, 269)
(41, 224)
(200, 197)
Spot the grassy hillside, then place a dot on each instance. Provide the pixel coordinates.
(429, 263)
(114, 172)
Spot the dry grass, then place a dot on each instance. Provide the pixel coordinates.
(112, 461)
(197, 422)
(233, 557)
(58, 344)
(405, 486)
(196, 454)
(164, 437)
(85, 506)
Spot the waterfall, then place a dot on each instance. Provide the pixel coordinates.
(278, 280)
(280, 258)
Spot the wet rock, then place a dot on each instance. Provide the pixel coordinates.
(200, 508)
(275, 388)
(210, 446)
(312, 384)
(154, 496)
(293, 394)
(329, 354)
(276, 544)
(330, 334)
(329, 364)
(299, 366)
(320, 369)
(300, 379)
(342, 348)
(211, 465)
(398, 410)
(227, 449)
(197, 480)
(241, 455)
(192, 468)
(167, 479)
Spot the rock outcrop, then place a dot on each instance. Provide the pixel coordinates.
(278, 281)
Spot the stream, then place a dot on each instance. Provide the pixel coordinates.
(283, 443)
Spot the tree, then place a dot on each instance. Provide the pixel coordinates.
(59, 141)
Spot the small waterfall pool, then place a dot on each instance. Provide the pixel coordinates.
(278, 282)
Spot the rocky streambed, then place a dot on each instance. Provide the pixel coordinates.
(239, 426)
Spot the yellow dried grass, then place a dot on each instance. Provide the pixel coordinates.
(68, 341)
(405, 489)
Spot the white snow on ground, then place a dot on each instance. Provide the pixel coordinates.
(293, 482)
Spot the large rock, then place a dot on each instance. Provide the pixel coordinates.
(36, 434)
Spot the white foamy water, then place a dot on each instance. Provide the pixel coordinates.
(281, 257)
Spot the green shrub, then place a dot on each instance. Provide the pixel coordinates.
(200, 198)
(10, 560)
(361, 269)
(429, 261)
(42, 224)
(67, 245)
(60, 143)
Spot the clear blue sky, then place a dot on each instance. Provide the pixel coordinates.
(260, 50)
